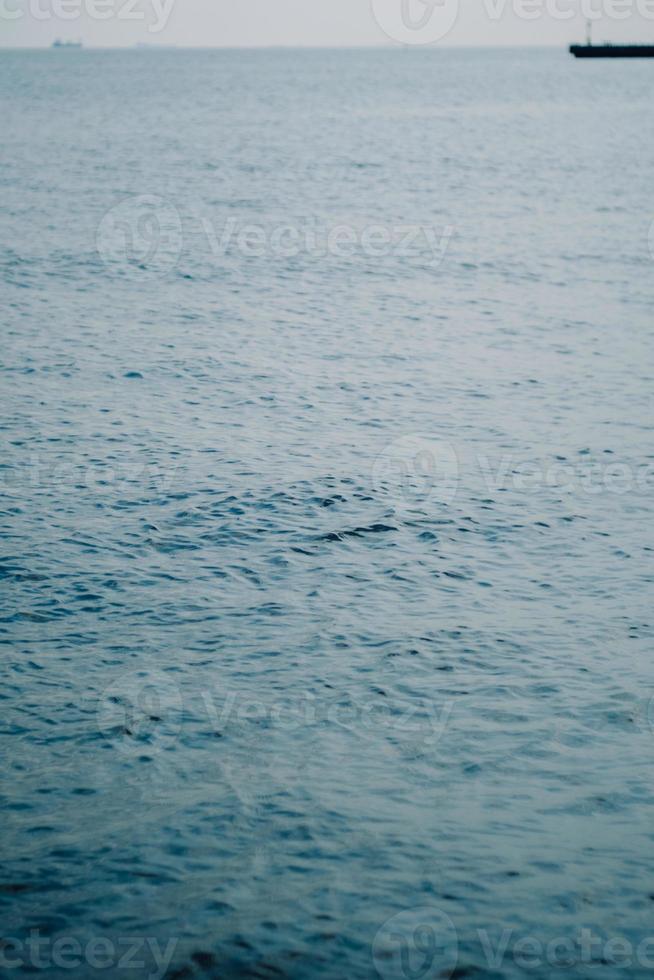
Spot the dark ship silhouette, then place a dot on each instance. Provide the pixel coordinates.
(590, 50)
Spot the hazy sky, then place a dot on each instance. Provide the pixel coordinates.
(209, 23)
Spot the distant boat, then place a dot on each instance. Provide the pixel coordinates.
(612, 50)
(590, 50)
(67, 44)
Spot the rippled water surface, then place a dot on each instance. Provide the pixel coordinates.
(327, 560)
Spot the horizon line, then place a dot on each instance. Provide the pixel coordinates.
(391, 46)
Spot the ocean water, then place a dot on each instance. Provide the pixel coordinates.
(326, 505)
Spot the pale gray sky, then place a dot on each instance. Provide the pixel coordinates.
(321, 23)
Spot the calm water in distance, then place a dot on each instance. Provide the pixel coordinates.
(327, 554)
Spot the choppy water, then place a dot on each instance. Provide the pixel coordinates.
(327, 564)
